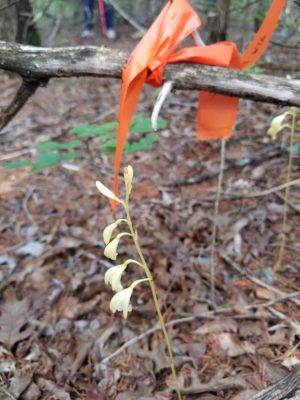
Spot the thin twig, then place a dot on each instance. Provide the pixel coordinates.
(41, 13)
(127, 17)
(3, 390)
(266, 192)
(273, 153)
(256, 280)
(204, 315)
(235, 195)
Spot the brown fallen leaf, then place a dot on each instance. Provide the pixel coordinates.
(57, 393)
(95, 394)
(217, 325)
(17, 386)
(15, 315)
(234, 347)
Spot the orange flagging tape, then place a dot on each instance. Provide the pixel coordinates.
(217, 113)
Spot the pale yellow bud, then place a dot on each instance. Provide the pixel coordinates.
(128, 175)
(106, 192)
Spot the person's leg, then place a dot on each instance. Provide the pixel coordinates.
(109, 18)
(88, 12)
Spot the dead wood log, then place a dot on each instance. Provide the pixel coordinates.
(287, 388)
(38, 63)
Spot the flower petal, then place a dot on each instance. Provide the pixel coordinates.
(110, 250)
(121, 301)
(106, 192)
(113, 276)
(277, 125)
(108, 231)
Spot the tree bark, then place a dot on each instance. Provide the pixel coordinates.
(287, 388)
(8, 20)
(40, 64)
(26, 30)
(16, 22)
(225, 15)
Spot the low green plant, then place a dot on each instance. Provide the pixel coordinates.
(51, 153)
(121, 301)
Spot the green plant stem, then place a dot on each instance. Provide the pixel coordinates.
(155, 299)
(215, 222)
(292, 127)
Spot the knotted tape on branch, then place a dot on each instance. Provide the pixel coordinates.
(216, 113)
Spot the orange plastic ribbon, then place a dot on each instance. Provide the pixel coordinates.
(217, 113)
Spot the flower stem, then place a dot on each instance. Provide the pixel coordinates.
(154, 296)
(292, 128)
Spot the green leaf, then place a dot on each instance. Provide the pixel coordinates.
(17, 164)
(295, 149)
(107, 135)
(109, 146)
(69, 156)
(157, 91)
(53, 145)
(72, 144)
(46, 160)
(142, 145)
(136, 119)
(91, 130)
(144, 125)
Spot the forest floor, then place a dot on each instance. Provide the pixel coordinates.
(58, 335)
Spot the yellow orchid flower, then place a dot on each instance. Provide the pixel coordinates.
(108, 231)
(121, 300)
(277, 125)
(113, 276)
(110, 250)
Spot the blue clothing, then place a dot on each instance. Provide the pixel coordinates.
(88, 14)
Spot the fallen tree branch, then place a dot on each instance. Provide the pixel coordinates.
(274, 152)
(40, 63)
(286, 388)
